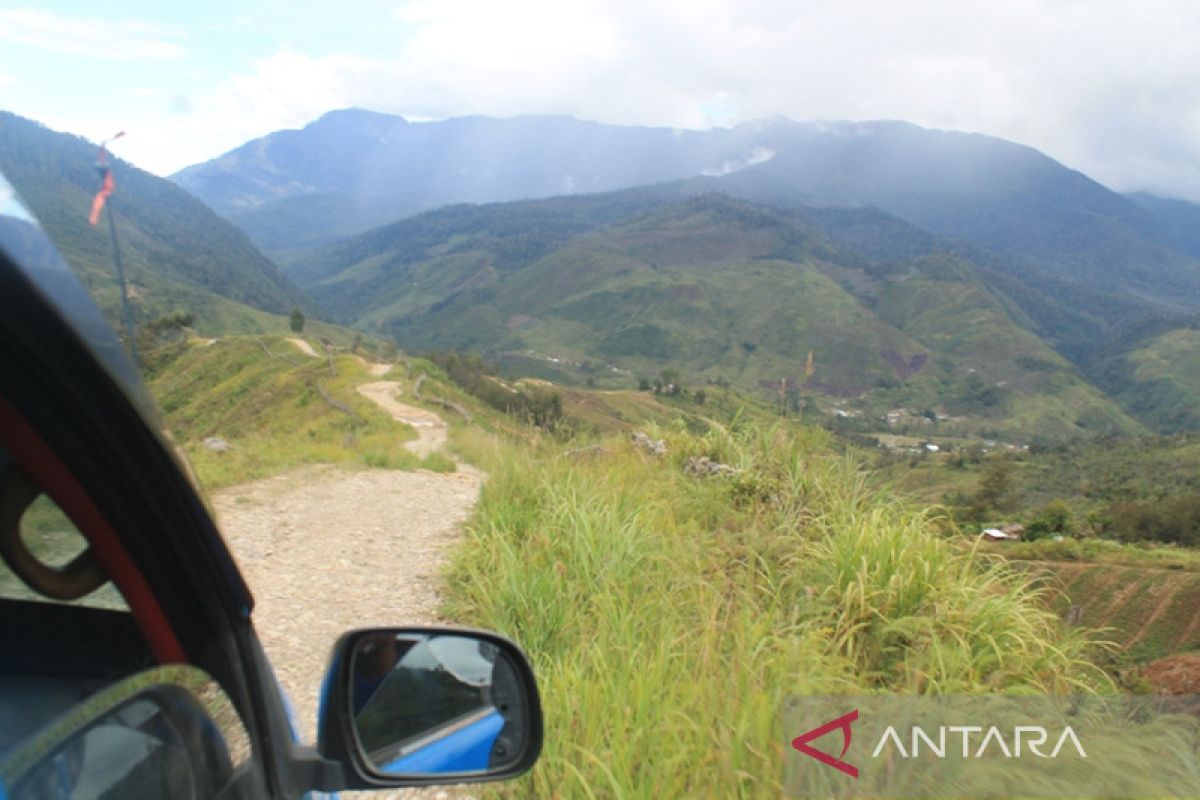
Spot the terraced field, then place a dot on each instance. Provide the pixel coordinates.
(1152, 613)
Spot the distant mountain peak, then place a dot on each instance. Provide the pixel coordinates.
(356, 116)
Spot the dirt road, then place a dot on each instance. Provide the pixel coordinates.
(431, 430)
(325, 549)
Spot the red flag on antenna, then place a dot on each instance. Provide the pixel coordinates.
(106, 180)
(106, 189)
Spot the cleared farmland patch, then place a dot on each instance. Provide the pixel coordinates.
(1150, 613)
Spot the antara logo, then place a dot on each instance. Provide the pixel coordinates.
(801, 743)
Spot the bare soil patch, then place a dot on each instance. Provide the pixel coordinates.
(1178, 674)
(304, 347)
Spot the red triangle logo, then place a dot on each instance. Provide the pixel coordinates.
(843, 722)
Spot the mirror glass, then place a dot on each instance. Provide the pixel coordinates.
(431, 703)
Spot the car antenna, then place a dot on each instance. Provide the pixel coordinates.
(107, 184)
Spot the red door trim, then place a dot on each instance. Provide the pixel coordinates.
(40, 463)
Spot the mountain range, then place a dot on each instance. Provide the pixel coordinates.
(352, 170)
(1086, 270)
(956, 276)
(1055, 230)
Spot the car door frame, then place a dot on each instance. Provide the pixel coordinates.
(60, 399)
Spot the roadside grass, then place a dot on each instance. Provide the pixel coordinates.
(271, 411)
(670, 618)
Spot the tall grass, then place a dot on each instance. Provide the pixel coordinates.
(670, 618)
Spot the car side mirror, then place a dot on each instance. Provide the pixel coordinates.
(418, 706)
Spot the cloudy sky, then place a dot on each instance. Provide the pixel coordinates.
(1110, 88)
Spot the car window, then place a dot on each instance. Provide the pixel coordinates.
(53, 539)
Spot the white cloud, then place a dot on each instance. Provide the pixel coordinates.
(126, 40)
(758, 155)
(1106, 87)
(286, 90)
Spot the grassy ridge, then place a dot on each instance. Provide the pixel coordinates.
(670, 617)
(177, 252)
(269, 408)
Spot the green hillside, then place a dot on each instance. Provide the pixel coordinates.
(514, 233)
(178, 254)
(1159, 380)
(789, 574)
(715, 290)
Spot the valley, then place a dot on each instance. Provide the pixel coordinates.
(744, 425)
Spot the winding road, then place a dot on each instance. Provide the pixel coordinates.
(325, 549)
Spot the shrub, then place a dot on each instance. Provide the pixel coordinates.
(1055, 519)
(296, 320)
(540, 407)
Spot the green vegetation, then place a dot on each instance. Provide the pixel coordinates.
(671, 617)
(275, 408)
(1175, 520)
(533, 404)
(795, 575)
(1077, 260)
(1133, 489)
(1159, 379)
(1101, 551)
(1052, 265)
(714, 290)
(1103, 524)
(178, 254)
(516, 233)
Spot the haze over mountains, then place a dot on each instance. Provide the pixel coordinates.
(958, 274)
(1090, 272)
(352, 170)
